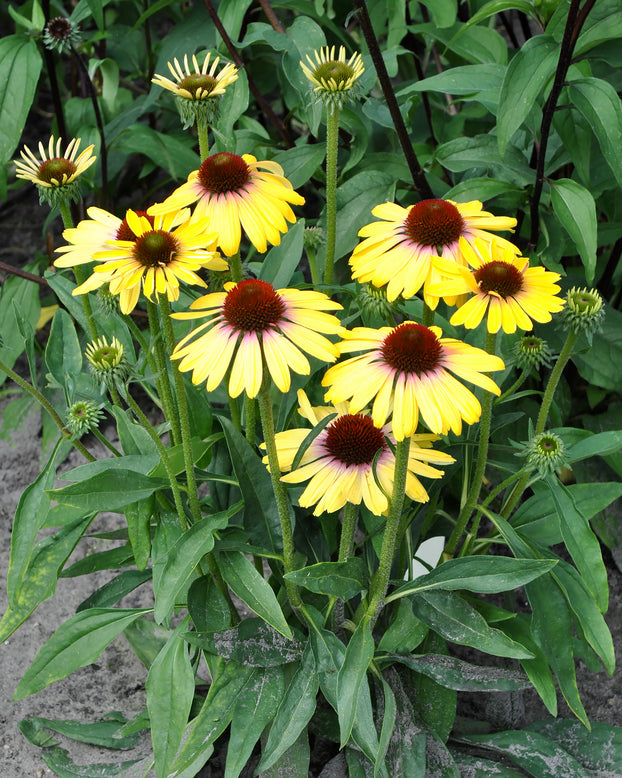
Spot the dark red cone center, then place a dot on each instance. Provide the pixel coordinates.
(412, 348)
(156, 248)
(253, 306)
(434, 223)
(500, 277)
(354, 440)
(224, 172)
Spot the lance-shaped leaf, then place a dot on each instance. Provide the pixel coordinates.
(575, 208)
(340, 579)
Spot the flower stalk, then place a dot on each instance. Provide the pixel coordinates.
(163, 383)
(480, 465)
(267, 423)
(332, 145)
(380, 581)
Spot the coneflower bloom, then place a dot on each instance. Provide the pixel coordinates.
(397, 252)
(238, 193)
(503, 287)
(250, 325)
(406, 371)
(197, 89)
(351, 460)
(334, 79)
(152, 254)
(55, 173)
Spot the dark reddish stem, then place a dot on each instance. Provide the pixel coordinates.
(261, 100)
(416, 171)
(574, 23)
(271, 16)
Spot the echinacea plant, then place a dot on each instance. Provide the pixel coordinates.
(328, 471)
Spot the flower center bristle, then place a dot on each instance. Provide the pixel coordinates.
(354, 440)
(198, 81)
(59, 27)
(125, 232)
(434, 223)
(224, 172)
(412, 348)
(500, 277)
(253, 306)
(155, 248)
(338, 71)
(56, 169)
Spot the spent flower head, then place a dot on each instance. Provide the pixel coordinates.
(584, 312)
(61, 34)
(334, 79)
(197, 88)
(532, 352)
(55, 174)
(82, 417)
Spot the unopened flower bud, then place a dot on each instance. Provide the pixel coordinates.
(83, 416)
(584, 311)
(532, 352)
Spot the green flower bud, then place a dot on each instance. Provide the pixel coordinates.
(83, 416)
(584, 311)
(532, 352)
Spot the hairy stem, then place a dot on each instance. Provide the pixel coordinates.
(332, 145)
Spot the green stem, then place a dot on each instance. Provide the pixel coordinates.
(79, 272)
(46, 405)
(202, 131)
(428, 315)
(380, 581)
(312, 258)
(182, 404)
(250, 407)
(267, 423)
(547, 400)
(348, 528)
(235, 266)
(519, 382)
(332, 143)
(164, 457)
(102, 439)
(480, 465)
(163, 382)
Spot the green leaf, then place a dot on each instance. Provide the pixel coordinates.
(355, 199)
(134, 438)
(359, 653)
(76, 643)
(261, 518)
(207, 605)
(251, 715)
(574, 206)
(481, 152)
(301, 162)
(498, 6)
(112, 559)
(137, 463)
(20, 66)
(531, 751)
(294, 713)
(527, 74)
(454, 619)
(599, 103)
(147, 639)
(598, 30)
(482, 768)
(252, 643)
(39, 581)
(232, 684)
(405, 632)
(170, 691)
(105, 734)
(584, 606)
(454, 673)
(599, 750)
(294, 762)
(113, 591)
(443, 12)
(183, 557)
(406, 754)
(23, 295)
(340, 579)
(32, 510)
(138, 517)
(281, 261)
(252, 588)
(460, 80)
(599, 363)
(600, 444)
(108, 491)
(581, 542)
(486, 575)
(166, 151)
(551, 624)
